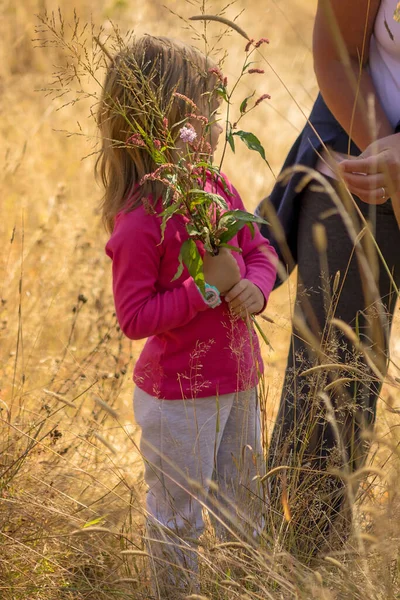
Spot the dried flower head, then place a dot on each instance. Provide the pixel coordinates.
(259, 71)
(136, 140)
(157, 175)
(248, 45)
(207, 148)
(261, 41)
(261, 98)
(200, 118)
(218, 73)
(185, 99)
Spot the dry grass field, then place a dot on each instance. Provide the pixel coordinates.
(68, 442)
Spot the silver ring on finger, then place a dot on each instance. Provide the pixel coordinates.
(384, 195)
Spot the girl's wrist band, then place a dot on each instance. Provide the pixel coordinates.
(212, 296)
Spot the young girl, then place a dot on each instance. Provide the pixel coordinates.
(195, 397)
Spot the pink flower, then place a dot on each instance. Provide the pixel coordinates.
(207, 148)
(187, 134)
(261, 41)
(185, 99)
(157, 144)
(201, 118)
(136, 140)
(260, 71)
(165, 123)
(157, 174)
(248, 45)
(261, 98)
(218, 73)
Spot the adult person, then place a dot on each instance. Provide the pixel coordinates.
(319, 436)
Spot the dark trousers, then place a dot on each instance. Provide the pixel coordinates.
(318, 439)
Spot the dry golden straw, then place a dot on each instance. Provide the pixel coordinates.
(222, 20)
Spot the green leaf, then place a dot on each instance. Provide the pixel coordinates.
(192, 230)
(221, 91)
(166, 215)
(214, 169)
(158, 156)
(247, 65)
(227, 191)
(251, 227)
(234, 221)
(244, 216)
(260, 331)
(190, 257)
(251, 141)
(232, 248)
(243, 106)
(207, 197)
(196, 201)
(93, 522)
(231, 140)
(231, 230)
(168, 194)
(206, 239)
(171, 177)
(179, 270)
(208, 166)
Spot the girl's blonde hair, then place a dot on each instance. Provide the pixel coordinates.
(139, 94)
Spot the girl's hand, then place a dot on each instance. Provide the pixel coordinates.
(221, 271)
(245, 298)
(375, 175)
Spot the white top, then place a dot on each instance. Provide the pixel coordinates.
(384, 61)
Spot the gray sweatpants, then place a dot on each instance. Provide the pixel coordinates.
(188, 447)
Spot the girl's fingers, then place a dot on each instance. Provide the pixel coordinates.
(242, 298)
(235, 292)
(253, 308)
(365, 182)
(242, 310)
(238, 307)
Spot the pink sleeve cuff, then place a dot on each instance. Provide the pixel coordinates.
(195, 296)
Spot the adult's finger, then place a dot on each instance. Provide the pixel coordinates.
(369, 197)
(365, 182)
(370, 165)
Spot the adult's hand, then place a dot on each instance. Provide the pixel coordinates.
(374, 176)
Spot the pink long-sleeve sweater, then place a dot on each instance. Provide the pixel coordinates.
(192, 350)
